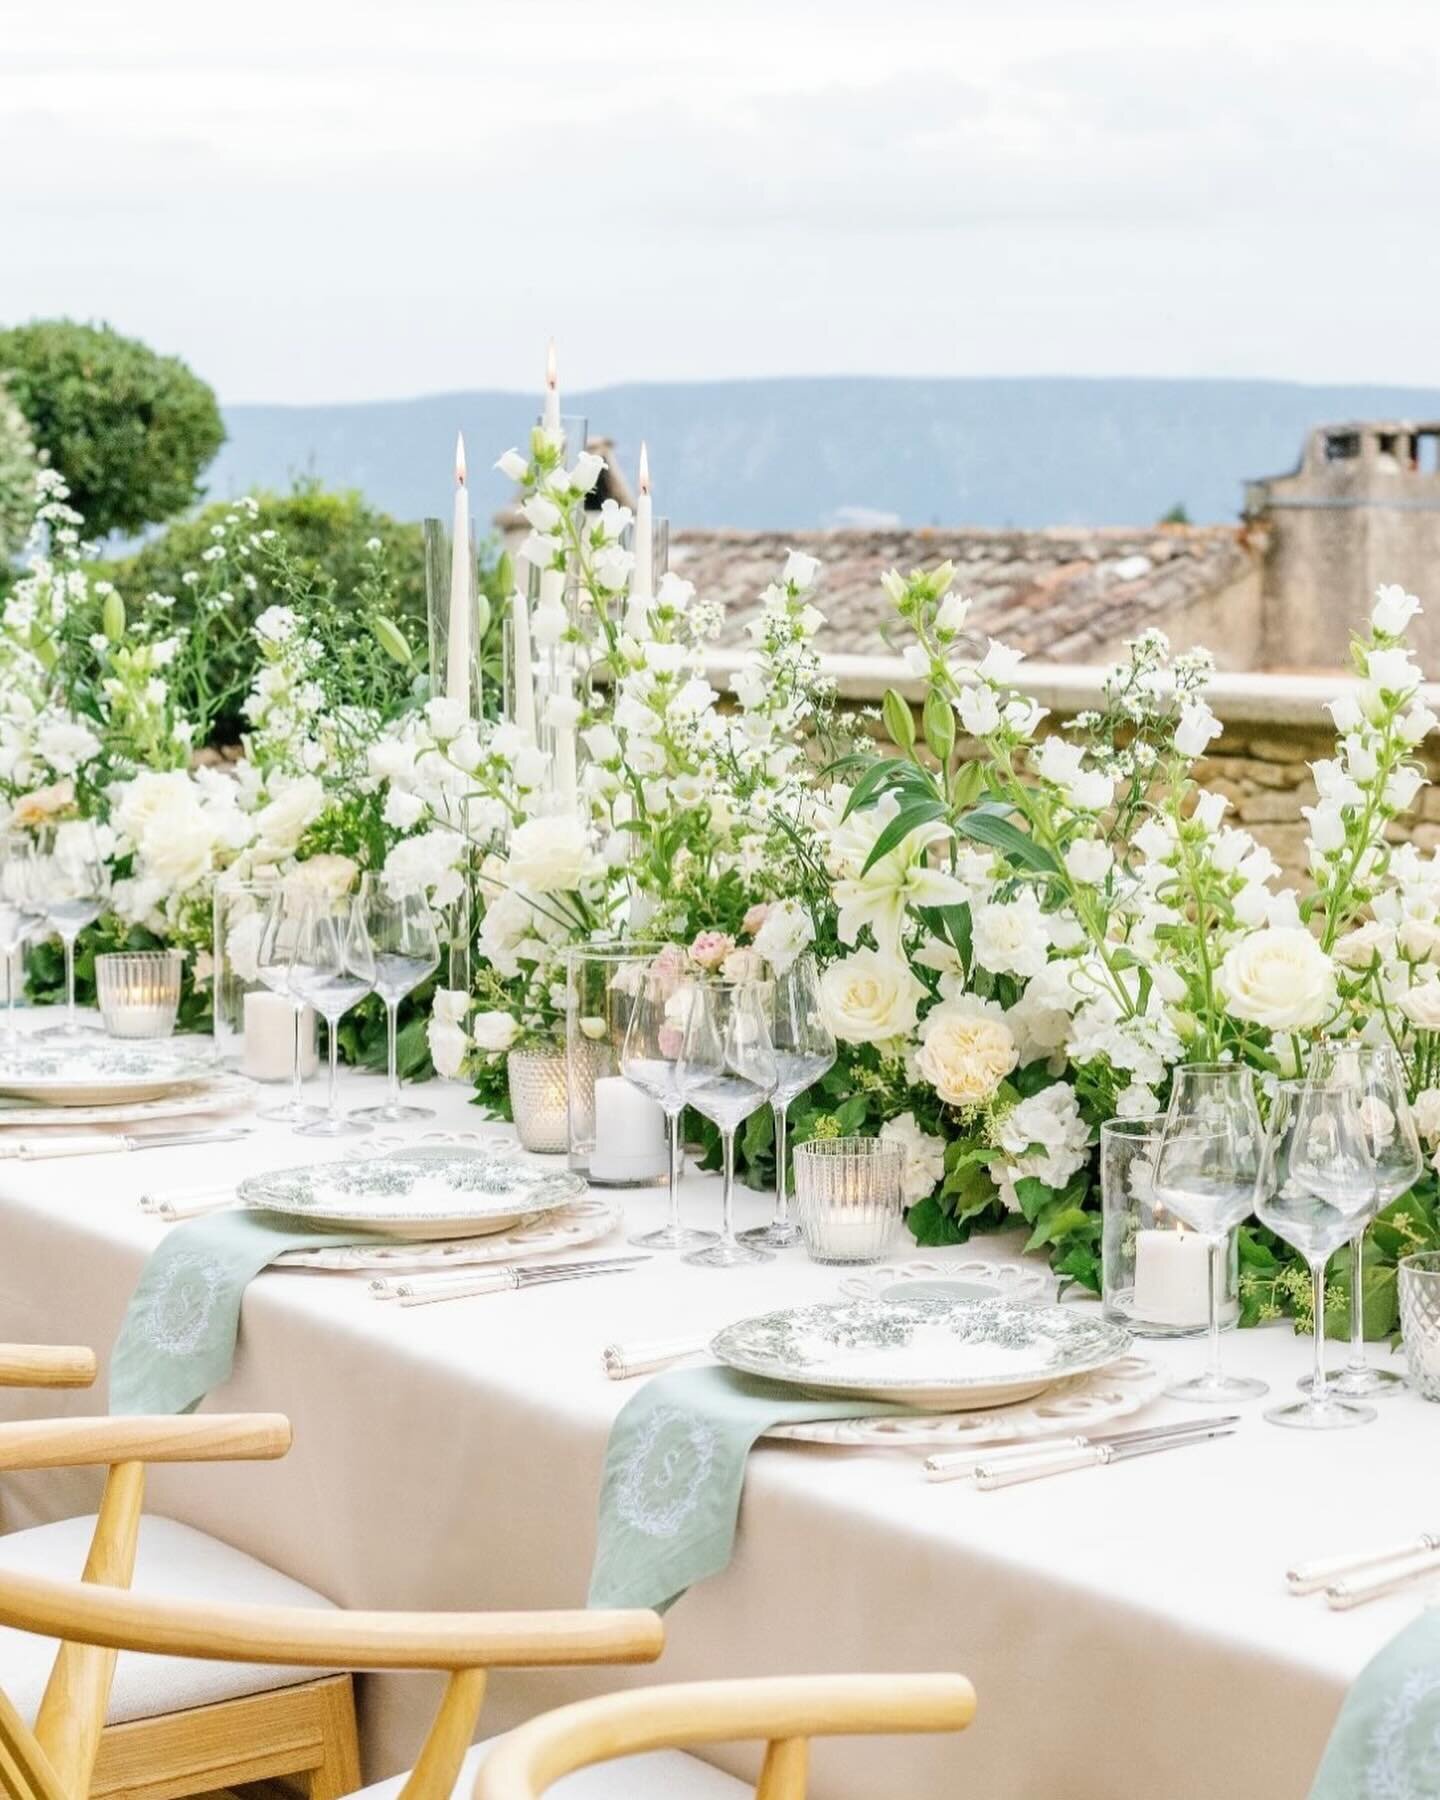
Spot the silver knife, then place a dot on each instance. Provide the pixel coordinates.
(100, 1143)
(1099, 1455)
(954, 1464)
(496, 1281)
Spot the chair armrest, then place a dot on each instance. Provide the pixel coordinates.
(46, 1366)
(204, 1437)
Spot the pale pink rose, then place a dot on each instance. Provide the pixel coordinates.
(710, 948)
(743, 965)
(667, 964)
(755, 918)
(671, 1040)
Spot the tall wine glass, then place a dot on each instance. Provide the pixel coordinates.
(333, 969)
(70, 885)
(17, 918)
(273, 957)
(1395, 1148)
(1317, 1190)
(648, 1061)
(402, 934)
(727, 1071)
(1205, 1169)
(804, 1051)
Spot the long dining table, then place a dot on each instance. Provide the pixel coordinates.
(1127, 1629)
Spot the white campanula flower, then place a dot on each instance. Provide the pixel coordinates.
(513, 465)
(1421, 1005)
(1089, 860)
(602, 743)
(801, 571)
(446, 1031)
(1000, 663)
(549, 623)
(954, 610)
(1393, 610)
(979, 711)
(1346, 713)
(1416, 723)
(1391, 672)
(544, 516)
(1362, 947)
(586, 471)
(1402, 787)
(1196, 727)
(1210, 809)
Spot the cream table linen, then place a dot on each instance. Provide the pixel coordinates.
(1127, 1629)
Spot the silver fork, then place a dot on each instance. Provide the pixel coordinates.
(498, 1281)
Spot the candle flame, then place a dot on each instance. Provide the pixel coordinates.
(551, 375)
(459, 459)
(644, 470)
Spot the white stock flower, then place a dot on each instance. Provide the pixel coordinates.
(1278, 977)
(446, 1031)
(1045, 1136)
(1393, 610)
(966, 1050)
(66, 744)
(869, 997)
(787, 933)
(1010, 936)
(551, 855)
(924, 1155)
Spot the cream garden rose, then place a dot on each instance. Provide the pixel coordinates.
(870, 998)
(966, 1050)
(1279, 978)
(551, 856)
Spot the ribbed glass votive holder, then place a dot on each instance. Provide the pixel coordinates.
(139, 992)
(849, 1197)
(538, 1100)
(1420, 1319)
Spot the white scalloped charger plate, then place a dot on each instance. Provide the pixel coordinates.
(976, 1278)
(579, 1224)
(227, 1094)
(1079, 1403)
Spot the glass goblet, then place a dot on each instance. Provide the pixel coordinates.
(727, 1071)
(804, 1051)
(333, 969)
(1316, 1190)
(402, 934)
(69, 886)
(1205, 1169)
(649, 1061)
(273, 957)
(16, 921)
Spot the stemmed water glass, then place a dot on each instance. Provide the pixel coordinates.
(401, 929)
(648, 1061)
(273, 958)
(727, 1071)
(69, 887)
(332, 968)
(1205, 1169)
(1317, 1190)
(16, 921)
(804, 1051)
(1389, 1125)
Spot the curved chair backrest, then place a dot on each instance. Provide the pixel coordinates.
(95, 1618)
(785, 1710)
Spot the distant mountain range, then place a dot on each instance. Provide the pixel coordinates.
(808, 452)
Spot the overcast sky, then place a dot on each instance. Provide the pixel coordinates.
(317, 200)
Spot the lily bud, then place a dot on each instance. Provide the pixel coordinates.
(112, 617)
(939, 721)
(899, 720)
(392, 641)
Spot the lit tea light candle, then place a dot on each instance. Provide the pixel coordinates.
(630, 1137)
(270, 1038)
(1172, 1276)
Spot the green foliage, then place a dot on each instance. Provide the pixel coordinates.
(129, 429)
(1177, 515)
(17, 476)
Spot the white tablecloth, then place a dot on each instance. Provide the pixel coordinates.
(1126, 1629)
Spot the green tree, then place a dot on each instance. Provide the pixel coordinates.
(1177, 515)
(129, 429)
(17, 477)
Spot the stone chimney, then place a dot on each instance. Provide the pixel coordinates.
(1362, 508)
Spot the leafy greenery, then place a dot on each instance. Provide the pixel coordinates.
(17, 476)
(129, 429)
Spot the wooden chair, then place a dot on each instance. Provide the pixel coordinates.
(787, 1711)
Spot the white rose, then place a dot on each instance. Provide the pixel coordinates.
(493, 1031)
(966, 1050)
(1427, 1115)
(326, 877)
(1358, 949)
(868, 997)
(787, 934)
(280, 826)
(1421, 1005)
(1278, 977)
(1419, 940)
(551, 855)
(924, 1155)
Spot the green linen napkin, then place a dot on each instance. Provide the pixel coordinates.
(1386, 1742)
(674, 1468)
(177, 1339)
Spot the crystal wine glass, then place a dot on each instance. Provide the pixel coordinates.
(402, 934)
(333, 969)
(804, 1051)
(17, 918)
(727, 1070)
(1395, 1146)
(648, 1061)
(1317, 1190)
(70, 885)
(1205, 1169)
(273, 957)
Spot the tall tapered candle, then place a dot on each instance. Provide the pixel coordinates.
(524, 664)
(457, 663)
(642, 581)
(563, 714)
(552, 394)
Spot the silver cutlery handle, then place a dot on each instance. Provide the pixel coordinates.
(91, 1143)
(1310, 1577)
(624, 1360)
(991, 1475)
(955, 1465)
(1356, 1590)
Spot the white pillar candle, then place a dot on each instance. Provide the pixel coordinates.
(642, 581)
(630, 1139)
(270, 1038)
(1172, 1278)
(562, 717)
(457, 665)
(552, 395)
(524, 663)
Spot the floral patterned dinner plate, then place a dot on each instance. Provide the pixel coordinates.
(101, 1071)
(944, 1355)
(428, 1191)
